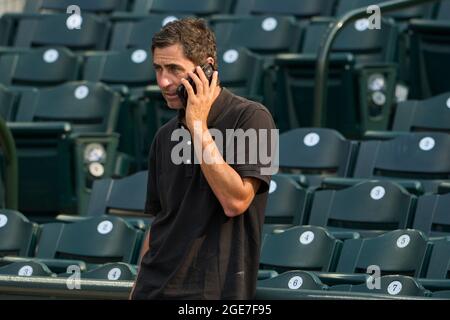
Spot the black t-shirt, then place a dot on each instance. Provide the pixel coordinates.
(196, 251)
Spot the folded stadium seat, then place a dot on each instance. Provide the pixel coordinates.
(240, 71)
(361, 79)
(6, 27)
(86, 244)
(393, 285)
(89, 32)
(400, 252)
(432, 215)
(286, 286)
(306, 248)
(7, 103)
(69, 125)
(316, 153)
(432, 114)
(188, 7)
(114, 271)
(423, 157)
(86, 6)
(123, 197)
(39, 67)
(368, 207)
(26, 269)
(443, 10)
(286, 203)
(17, 234)
(430, 54)
(439, 265)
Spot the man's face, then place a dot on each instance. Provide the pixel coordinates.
(171, 66)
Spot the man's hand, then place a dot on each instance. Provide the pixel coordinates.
(199, 104)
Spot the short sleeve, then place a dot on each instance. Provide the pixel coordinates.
(260, 134)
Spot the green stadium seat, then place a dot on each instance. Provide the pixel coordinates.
(189, 7)
(306, 248)
(113, 271)
(443, 10)
(17, 234)
(302, 10)
(286, 203)
(86, 244)
(399, 252)
(410, 156)
(369, 208)
(432, 114)
(286, 285)
(316, 153)
(71, 125)
(60, 6)
(136, 31)
(393, 285)
(442, 294)
(27, 269)
(432, 215)
(429, 57)
(252, 32)
(39, 67)
(439, 265)
(123, 197)
(361, 79)
(7, 103)
(40, 30)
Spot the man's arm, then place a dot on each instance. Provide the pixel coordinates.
(234, 193)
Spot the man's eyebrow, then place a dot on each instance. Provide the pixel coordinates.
(170, 66)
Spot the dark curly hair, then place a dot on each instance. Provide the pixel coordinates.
(193, 34)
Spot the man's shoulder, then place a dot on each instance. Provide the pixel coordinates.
(167, 129)
(245, 107)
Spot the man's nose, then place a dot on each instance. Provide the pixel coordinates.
(165, 81)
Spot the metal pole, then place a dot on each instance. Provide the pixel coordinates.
(320, 94)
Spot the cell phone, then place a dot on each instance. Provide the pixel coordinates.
(208, 69)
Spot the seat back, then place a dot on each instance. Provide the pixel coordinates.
(124, 197)
(402, 252)
(39, 67)
(88, 33)
(432, 215)
(60, 6)
(17, 234)
(414, 156)
(26, 269)
(439, 266)
(306, 248)
(304, 9)
(95, 241)
(316, 153)
(87, 106)
(432, 114)
(368, 207)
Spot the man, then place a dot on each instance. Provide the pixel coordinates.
(205, 239)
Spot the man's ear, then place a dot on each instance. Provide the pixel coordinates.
(210, 60)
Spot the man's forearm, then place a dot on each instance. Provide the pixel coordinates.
(231, 190)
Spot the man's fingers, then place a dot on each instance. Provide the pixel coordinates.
(188, 87)
(198, 83)
(204, 80)
(214, 81)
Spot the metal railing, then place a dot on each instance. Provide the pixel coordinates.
(320, 94)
